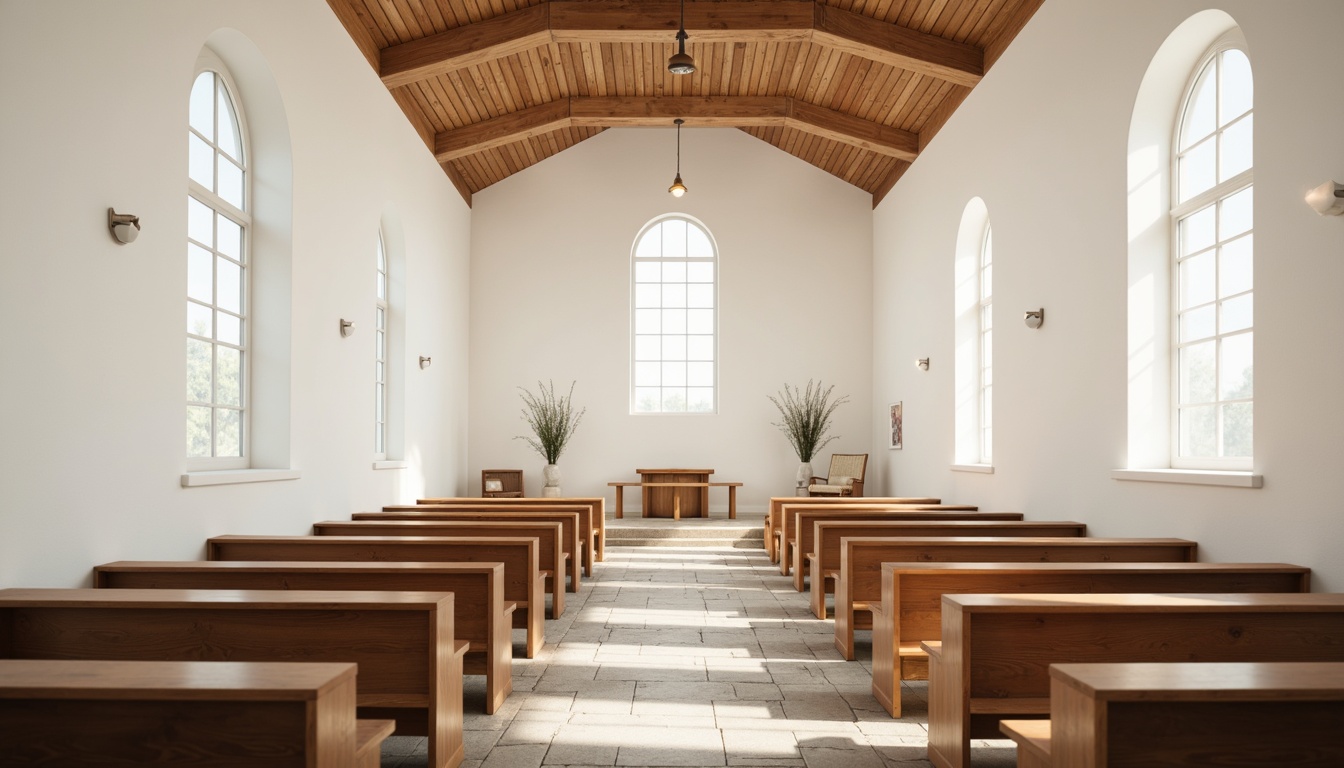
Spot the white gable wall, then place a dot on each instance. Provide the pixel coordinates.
(550, 287)
(1043, 141)
(93, 382)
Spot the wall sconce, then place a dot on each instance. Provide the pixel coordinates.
(424, 363)
(922, 363)
(347, 327)
(125, 227)
(1034, 318)
(1327, 199)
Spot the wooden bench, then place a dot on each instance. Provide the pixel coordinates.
(910, 611)
(597, 516)
(523, 582)
(481, 615)
(820, 542)
(774, 520)
(676, 500)
(577, 537)
(809, 513)
(992, 663)
(1188, 714)
(262, 714)
(410, 666)
(858, 584)
(551, 557)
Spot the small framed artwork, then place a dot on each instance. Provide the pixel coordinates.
(896, 424)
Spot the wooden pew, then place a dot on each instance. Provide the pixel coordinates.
(410, 666)
(792, 513)
(597, 516)
(262, 714)
(481, 616)
(992, 663)
(523, 582)
(1266, 714)
(551, 557)
(858, 585)
(910, 611)
(573, 542)
(774, 516)
(818, 546)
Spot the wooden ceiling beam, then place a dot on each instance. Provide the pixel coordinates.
(660, 111)
(465, 46)
(898, 46)
(656, 21)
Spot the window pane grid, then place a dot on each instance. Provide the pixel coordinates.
(986, 400)
(673, 367)
(217, 275)
(1213, 297)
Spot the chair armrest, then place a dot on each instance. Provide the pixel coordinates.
(818, 481)
(858, 488)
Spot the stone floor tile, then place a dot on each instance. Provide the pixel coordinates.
(520, 756)
(859, 756)
(762, 744)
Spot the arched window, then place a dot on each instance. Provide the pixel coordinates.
(218, 273)
(380, 346)
(674, 308)
(1212, 266)
(973, 324)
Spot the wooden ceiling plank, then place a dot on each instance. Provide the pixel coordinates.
(889, 182)
(653, 21)
(498, 131)
(864, 134)
(464, 46)
(898, 46)
(697, 111)
(1009, 25)
(458, 181)
(359, 32)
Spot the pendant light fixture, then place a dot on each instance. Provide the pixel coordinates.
(680, 63)
(678, 189)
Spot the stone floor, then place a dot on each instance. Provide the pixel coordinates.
(690, 656)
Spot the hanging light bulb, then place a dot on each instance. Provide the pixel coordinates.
(681, 63)
(678, 189)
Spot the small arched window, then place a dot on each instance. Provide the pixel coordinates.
(218, 243)
(986, 311)
(380, 353)
(674, 307)
(973, 326)
(1212, 266)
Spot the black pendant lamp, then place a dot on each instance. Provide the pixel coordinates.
(678, 189)
(681, 63)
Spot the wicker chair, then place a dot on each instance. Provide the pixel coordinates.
(845, 477)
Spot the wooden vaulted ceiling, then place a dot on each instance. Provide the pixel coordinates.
(854, 87)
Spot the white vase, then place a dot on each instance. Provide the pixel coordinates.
(804, 478)
(552, 475)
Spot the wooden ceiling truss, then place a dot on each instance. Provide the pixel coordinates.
(856, 87)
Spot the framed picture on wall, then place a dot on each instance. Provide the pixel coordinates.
(896, 425)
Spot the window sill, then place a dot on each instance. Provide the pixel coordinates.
(390, 465)
(236, 476)
(1191, 477)
(984, 469)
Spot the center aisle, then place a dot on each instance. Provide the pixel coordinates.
(688, 656)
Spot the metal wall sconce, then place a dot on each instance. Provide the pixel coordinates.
(922, 363)
(1327, 199)
(1034, 318)
(424, 363)
(124, 227)
(347, 327)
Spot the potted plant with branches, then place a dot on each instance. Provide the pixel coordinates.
(553, 421)
(807, 418)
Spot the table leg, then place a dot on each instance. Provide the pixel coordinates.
(620, 494)
(732, 502)
(676, 507)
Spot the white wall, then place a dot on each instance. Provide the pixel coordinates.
(550, 287)
(92, 381)
(1043, 141)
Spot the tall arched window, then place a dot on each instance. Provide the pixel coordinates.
(973, 326)
(218, 244)
(380, 353)
(1212, 266)
(674, 307)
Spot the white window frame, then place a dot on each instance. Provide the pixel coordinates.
(1180, 211)
(985, 344)
(635, 360)
(208, 62)
(380, 353)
